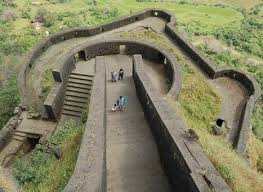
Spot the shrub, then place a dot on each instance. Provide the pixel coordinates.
(46, 17)
(46, 83)
(103, 14)
(40, 171)
(32, 170)
(8, 100)
(59, 1)
(8, 15)
(8, 3)
(26, 11)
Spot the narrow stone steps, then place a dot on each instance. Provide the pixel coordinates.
(84, 77)
(25, 134)
(86, 86)
(19, 138)
(76, 99)
(72, 108)
(78, 95)
(78, 90)
(22, 134)
(80, 74)
(71, 113)
(80, 81)
(75, 104)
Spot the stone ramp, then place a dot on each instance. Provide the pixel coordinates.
(132, 158)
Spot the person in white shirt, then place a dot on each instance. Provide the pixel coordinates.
(113, 109)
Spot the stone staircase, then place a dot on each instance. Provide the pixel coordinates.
(78, 91)
(15, 144)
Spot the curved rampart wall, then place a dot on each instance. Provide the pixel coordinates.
(183, 160)
(213, 72)
(53, 104)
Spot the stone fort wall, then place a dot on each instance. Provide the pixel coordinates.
(182, 158)
(189, 155)
(207, 66)
(89, 50)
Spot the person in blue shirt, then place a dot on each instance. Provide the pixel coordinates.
(121, 101)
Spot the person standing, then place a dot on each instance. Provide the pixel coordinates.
(114, 76)
(121, 73)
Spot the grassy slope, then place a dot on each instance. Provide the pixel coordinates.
(198, 105)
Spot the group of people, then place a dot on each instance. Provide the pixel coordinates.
(117, 75)
(121, 100)
(120, 103)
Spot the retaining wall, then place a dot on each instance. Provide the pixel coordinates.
(183, 160)
(213, 72)
(90, 170)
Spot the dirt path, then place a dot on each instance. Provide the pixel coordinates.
(132, 157)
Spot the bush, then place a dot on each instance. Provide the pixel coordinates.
(26, 10)
(41, 171)
(8, 15)
(33, 170)
(46, 17)
(59, 1)
(8, 3)
(8, 100)
(102, 14)
(46, 83)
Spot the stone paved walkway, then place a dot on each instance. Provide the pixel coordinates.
(132, 158)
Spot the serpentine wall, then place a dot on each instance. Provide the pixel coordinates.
(189, 155)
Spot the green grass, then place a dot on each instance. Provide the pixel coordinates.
(46, 83)
(40, 171)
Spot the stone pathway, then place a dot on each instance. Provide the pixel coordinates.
(132, 158)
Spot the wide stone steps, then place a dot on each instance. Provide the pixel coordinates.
(71, 113)
(81, 76)
(73, 108)
(74, 104)
(83, 86)
(77, 94)
(80, 81)
(78, 90)
(76, 99)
